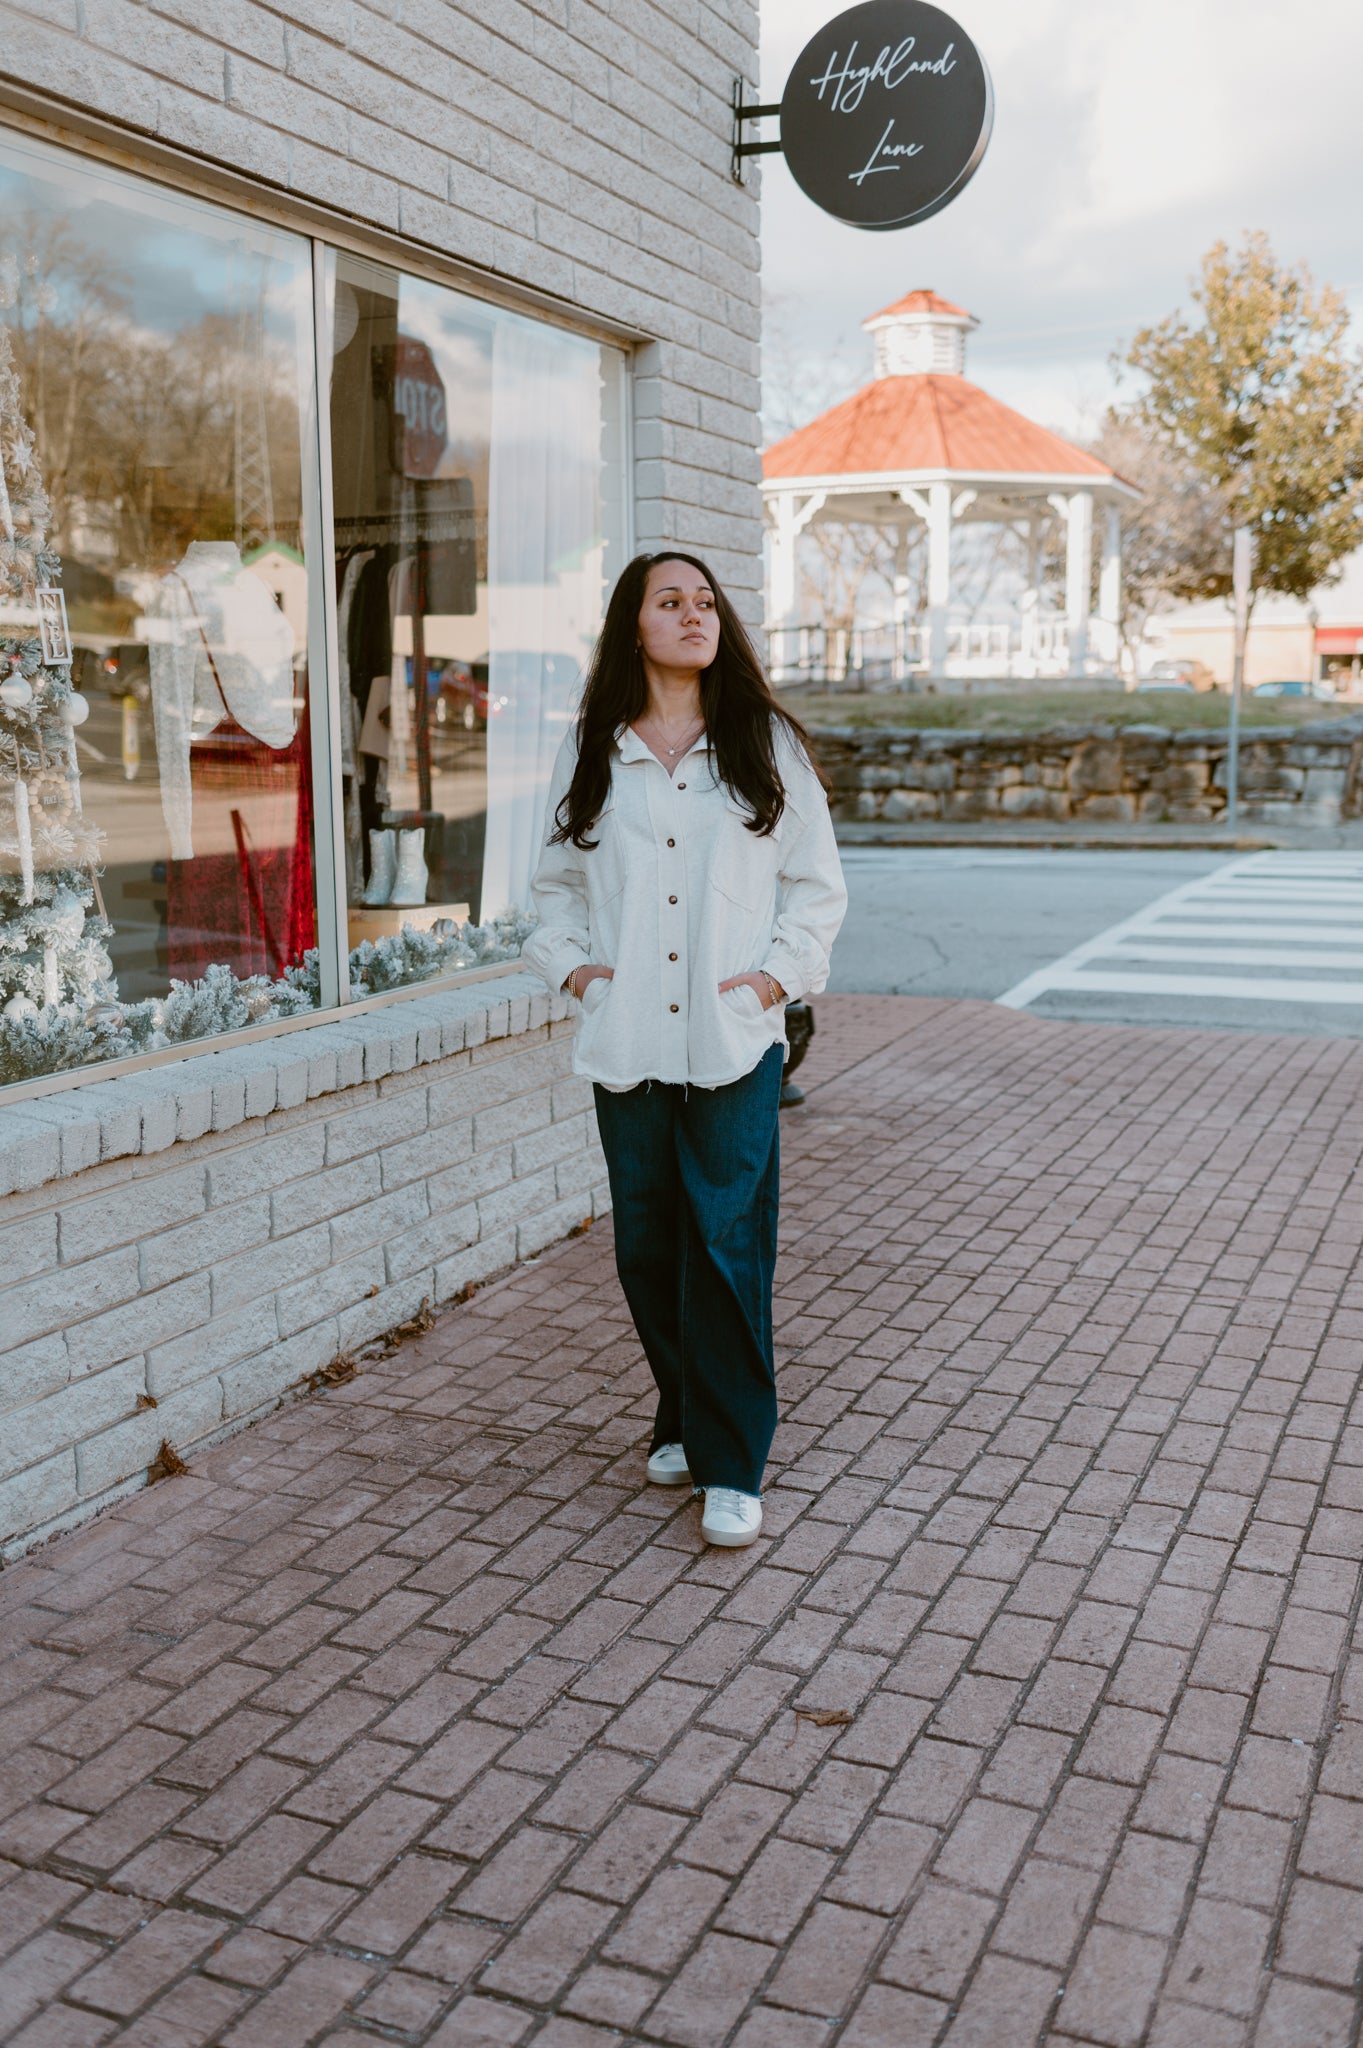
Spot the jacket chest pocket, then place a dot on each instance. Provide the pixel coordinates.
(607, 864)
(745, 863)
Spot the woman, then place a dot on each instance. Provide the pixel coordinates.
(688, 890)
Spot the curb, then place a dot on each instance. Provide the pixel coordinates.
(1058, 841)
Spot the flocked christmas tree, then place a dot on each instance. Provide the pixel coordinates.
(59, 1003)
(57, 1000)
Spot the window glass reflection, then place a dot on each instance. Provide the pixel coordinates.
(477, 466)
(155, 401)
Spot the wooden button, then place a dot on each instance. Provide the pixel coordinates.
(671, 956)
(674, 1007)
(671, 899)
(671, 842)
(681, 785)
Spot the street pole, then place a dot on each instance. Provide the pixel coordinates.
(1242, 564)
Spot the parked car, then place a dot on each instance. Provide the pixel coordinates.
(1293, 689)
(1154, 682)
(1195, 674)
(124, 671)
(460, 694)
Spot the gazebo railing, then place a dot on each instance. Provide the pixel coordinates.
(846, 657)
(887, 656)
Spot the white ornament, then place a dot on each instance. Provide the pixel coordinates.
(20, 1006)
(16, 693)
(52, 626)
(24, 832)
(76, 709)
(51, 985)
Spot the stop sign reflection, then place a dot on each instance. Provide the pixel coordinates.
(419, 399)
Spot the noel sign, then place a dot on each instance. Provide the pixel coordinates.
(419, 401)
(886, 114)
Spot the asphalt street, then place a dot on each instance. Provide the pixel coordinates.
(1265, 942)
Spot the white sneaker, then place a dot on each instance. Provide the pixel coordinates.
(668, 1467)
(731, 1519)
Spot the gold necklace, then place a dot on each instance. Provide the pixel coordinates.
(688, 736)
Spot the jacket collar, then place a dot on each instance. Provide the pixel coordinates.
(630, 747)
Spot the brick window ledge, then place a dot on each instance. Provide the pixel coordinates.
(51, 1137)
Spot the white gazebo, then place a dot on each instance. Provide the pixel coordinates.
(921, 446)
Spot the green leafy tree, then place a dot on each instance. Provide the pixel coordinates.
(1261, 400)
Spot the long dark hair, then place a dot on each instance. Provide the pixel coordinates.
(741, 714)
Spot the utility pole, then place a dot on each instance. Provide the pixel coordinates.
(1242, 567)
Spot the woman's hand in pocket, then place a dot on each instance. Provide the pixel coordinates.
(767, 991)
(581, 978)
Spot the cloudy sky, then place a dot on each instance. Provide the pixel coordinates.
(1126, 140)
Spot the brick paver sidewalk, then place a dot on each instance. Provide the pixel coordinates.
(413, 1714)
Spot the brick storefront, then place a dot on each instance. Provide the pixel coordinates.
(186, 1232)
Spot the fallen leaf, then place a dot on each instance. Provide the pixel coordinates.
(144, 1401)
(341, 1369)
(169, 1464)
(416, 1325)
(824, 1717)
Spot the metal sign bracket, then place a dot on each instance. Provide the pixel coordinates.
(748, 112)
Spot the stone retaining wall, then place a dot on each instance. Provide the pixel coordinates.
(181, 1247)
(1307, 775)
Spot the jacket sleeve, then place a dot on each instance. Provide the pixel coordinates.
(812, 897)
(558, 892)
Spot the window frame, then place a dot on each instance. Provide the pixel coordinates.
(234, 193)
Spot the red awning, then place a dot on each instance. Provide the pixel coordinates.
(1339, 639)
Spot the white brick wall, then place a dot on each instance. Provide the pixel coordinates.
(580, 147)
(208, 1233)
(383, 1160)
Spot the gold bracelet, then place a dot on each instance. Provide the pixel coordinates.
(776, 999)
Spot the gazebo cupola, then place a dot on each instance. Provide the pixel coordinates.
(921, 447)
(920, 332)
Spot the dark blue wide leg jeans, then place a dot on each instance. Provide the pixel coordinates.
(695, 1185)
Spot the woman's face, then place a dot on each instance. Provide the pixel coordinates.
(678, 621)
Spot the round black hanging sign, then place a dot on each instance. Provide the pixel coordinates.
(886, 113)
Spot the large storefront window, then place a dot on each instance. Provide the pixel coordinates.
(204, 824)
(158, 440)
(471, 459)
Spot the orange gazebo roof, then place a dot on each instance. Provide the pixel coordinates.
(928, 421)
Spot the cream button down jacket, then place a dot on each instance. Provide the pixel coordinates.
(676, 896)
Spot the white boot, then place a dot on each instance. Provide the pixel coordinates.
(409, 886)
(383, 860)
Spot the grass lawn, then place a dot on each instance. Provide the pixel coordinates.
(1038, 711)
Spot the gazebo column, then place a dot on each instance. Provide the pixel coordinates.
(939, 575)
(791, 513)
(1077, 512)
(1110, 582)
(899, 662)
(781, 582)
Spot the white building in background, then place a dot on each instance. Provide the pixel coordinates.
(920, 447)
(1289, 641)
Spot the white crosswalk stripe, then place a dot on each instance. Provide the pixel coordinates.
(1248, 932)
